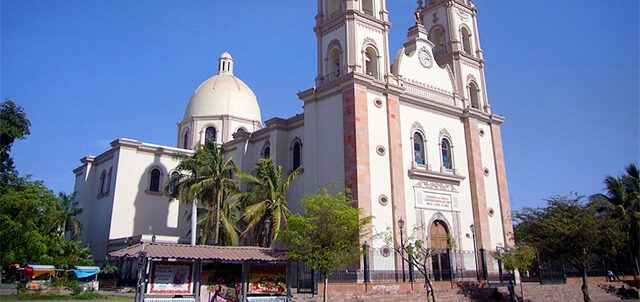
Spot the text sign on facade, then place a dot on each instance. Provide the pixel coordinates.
(432, 200)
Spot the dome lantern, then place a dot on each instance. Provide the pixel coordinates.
(225, 64)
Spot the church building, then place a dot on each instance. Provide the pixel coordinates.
(410, 133)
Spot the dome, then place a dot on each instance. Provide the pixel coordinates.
(224, 94)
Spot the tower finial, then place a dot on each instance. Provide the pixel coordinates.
(225, 63)
(417, 13)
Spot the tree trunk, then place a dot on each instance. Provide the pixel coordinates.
(324, 290)
(634, 263)
(216, 238)
(521, 290)
(429, 288)
(585, 286)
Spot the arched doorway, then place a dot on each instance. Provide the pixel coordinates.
(441, 263)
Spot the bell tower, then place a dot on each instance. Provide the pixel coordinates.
(352, 36)
(453, 28)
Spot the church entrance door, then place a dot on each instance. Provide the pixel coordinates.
(440, 261)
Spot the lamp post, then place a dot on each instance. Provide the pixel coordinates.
(401, 226)
(475, 250)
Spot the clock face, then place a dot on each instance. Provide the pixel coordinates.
(425, 58)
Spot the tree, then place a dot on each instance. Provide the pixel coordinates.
(517, 259)
(65, 254)
(266, 208)
(28, 221)
(68, 211)
(13, 125)
(622, 202)
(566, 230)
(208, 178)
(327, 235)
(415, 251)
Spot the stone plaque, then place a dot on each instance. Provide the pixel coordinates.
(432, 200)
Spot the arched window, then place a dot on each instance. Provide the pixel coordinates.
(334, 63)
(106, 191)
(297, 155)
(418, 149)
(333, 7)
(367, 7)
(371, 62)
(266, 152)
(437, 37)
(154, 182)
(103, 179)
(210, 135)
(175, 180)
(185, 140)
(447, 161)
(466, 40)
(473, 95)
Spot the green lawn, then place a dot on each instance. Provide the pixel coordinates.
(85, 296)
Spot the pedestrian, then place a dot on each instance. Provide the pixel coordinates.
(512, 292)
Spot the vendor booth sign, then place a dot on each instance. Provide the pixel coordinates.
(171, 278)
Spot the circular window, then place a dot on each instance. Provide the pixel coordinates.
(491, 212)
(378, 103)
(381, 150)
(383, 200)
(486, 171)
(481, 132)
(385, 251)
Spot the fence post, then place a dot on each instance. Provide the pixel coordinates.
(450, 264)
(539, 268)
(564, 275)
(365, 260)
(485, 271)
(412, 277)
(314, 282)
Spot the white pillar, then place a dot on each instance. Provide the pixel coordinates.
(194, 220)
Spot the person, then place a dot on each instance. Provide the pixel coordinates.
(512, 292)
(612, 276)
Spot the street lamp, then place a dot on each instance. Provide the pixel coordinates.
(475, 252)
(401, 225)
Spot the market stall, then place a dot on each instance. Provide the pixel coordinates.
(39, 275)
(87, 277)
(204, 273)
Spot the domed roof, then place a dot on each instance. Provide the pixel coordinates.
(224, 94)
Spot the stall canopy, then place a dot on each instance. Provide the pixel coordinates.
(86, 271)
(33, 270)
(204, 252)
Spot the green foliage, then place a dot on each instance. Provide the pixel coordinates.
(66, 254)
(621, 204)
(208, 178)
(69, 209)
(13, 125)
(109, 269)
(327, 235)
(517, 259)
(28, 221)
(266, 202)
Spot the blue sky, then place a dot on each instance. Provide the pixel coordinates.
(565, 75)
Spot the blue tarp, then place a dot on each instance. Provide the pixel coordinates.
(83, 273)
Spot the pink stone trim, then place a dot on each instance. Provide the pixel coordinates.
(503, 190)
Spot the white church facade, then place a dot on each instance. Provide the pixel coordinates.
(411, 135)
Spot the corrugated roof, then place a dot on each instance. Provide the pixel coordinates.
(203, 252)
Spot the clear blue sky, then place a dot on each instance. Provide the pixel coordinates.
(564, 73)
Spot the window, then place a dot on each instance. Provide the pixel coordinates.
(210, 135)
(333, 7)
(154, 183)
(437, 37)
(266, 152)
(296, 155)
(334, 63)
(106, 191)
(185, 140)
(103, 178)
(175, 180)
(367, 7)
(418, 149)
(447, 161)
(466, 40)
(371, 62)
(473, 95)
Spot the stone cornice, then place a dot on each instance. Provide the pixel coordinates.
(425, 174)
(221, 116)
(146, 147)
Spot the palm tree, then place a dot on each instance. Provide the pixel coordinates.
(622, 202)
(266, 204)
(208, 178)
(68, 212)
